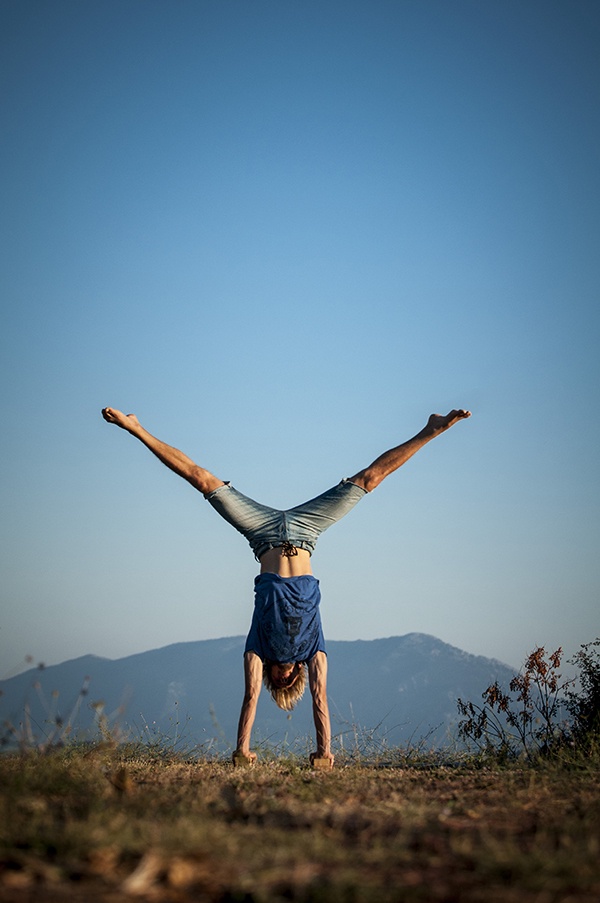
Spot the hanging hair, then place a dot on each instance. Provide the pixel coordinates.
(286, 697)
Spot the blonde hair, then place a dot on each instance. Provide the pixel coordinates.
(286, 697)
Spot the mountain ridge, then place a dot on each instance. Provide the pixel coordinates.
(404, 688)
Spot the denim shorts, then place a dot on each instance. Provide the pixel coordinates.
(268, 528)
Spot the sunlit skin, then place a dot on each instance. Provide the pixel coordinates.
(276, 562)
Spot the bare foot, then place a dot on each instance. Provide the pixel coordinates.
(125, 421)
(438, 422)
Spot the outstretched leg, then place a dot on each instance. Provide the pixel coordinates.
(391, 460)
(202, 480)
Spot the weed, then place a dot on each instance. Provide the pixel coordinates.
(534, 723)
(584, 705)
(58, 729)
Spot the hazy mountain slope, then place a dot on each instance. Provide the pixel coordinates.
(404, 688)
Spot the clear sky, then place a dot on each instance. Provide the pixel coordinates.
(283, 232)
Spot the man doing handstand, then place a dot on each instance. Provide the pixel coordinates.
(285, 643)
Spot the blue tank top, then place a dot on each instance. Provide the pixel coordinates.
(286, 623)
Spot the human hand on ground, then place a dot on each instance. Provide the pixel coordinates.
(244, 754)
(321, 755)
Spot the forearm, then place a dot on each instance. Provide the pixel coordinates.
(317, 675)
(252, 683)
(322, 726)
(245, 725)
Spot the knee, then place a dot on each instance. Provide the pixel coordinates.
(367, 479)
(203, 480)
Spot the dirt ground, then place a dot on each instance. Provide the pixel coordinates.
(99, 827)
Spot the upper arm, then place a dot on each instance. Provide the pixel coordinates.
(253, 673)
(317, 675)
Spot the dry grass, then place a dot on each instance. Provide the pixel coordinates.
(107, 825)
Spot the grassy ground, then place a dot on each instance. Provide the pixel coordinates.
(110, 825)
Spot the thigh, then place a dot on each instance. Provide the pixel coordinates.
(326, 509)
(249, 517)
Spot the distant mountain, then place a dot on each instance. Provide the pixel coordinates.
(398, 690)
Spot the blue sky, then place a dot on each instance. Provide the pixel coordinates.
(283, 233)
